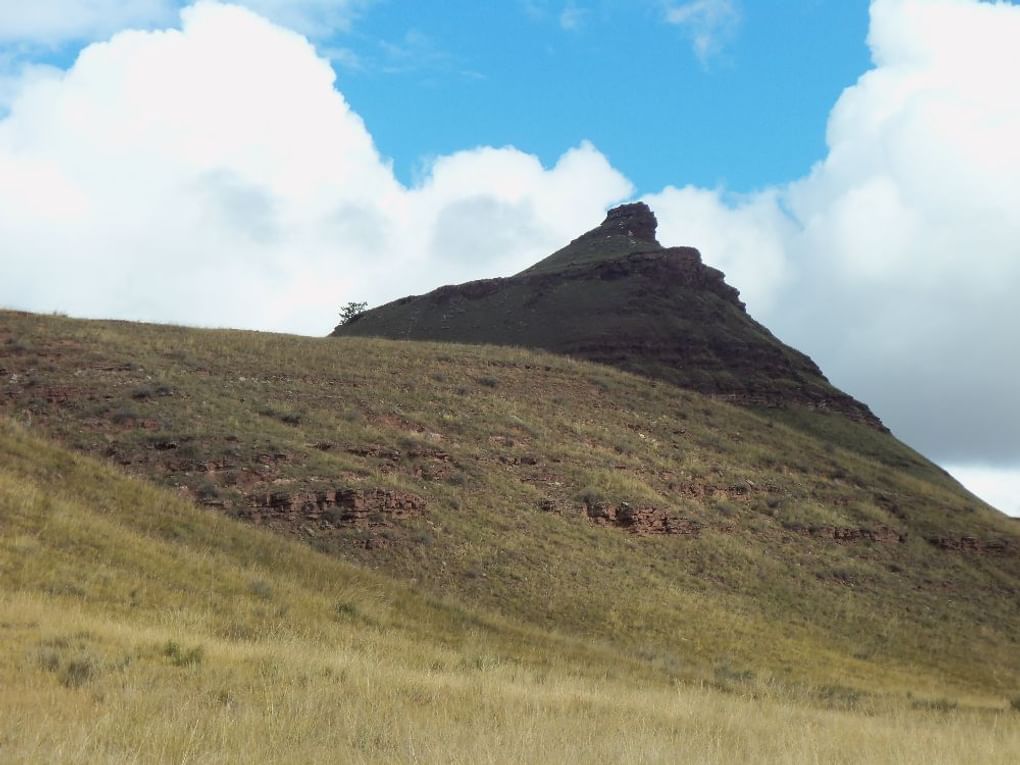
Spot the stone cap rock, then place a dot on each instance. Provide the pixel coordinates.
(636, 221)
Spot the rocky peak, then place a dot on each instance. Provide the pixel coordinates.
(616, 296)
(627, 229)
(634, 221)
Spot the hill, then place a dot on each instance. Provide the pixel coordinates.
(616, 296)
(136, 627)
(707, 541)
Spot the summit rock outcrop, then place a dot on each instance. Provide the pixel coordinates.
(616, 296)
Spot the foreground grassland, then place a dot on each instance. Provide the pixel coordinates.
(136, 627)
(510, 452)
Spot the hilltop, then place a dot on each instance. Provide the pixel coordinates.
(616, 296)
(706, 540)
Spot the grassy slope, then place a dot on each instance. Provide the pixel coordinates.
(748, 599)
(135, 627)
(615, 296)
(596, 246)
(688, 336)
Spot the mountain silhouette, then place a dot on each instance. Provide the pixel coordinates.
(616, 296)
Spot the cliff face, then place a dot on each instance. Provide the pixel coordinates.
(616, 296)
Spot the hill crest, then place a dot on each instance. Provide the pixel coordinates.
(616, 296)
(627, 229)
(775, 541)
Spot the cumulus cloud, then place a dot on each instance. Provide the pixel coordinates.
(212, 174)
(53, 22)
(316, 18)
(895, 261)
(998, 487)
(743, 235)
(14, 78)
(710, 24)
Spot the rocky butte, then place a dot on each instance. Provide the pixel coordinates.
(616, 296)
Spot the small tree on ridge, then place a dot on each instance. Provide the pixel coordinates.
(350, 310)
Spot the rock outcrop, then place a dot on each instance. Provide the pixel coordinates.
(640, 520)
(846, 535)
(975, 545)
(317, 513)
(616, 296)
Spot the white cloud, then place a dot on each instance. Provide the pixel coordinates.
(896, 261)
(998, 487)
(710, 24)
(572, 17)
(315, 18)
(15, 78)
(53, 22)
(745, 238)
(213, 175)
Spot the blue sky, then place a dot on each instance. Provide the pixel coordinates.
(852, 167)
(746, 111)
(751, 113)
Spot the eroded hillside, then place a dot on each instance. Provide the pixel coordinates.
(135, 626)
(686, 532)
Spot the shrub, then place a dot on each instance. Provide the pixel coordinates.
(78, 672)
(726, 508)
(124, 416)
(261, 589)
(424, 538)
(206, 490)
(49, 660)
(937, 705)
(237, 631)
(839, 697)
(592, 497)
(288, 418)
(725, 674)
(183, 657)
(344, 609)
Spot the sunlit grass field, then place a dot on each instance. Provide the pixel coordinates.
(136, 627)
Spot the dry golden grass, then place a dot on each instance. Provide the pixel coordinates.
(135, 627)
(372, 700)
